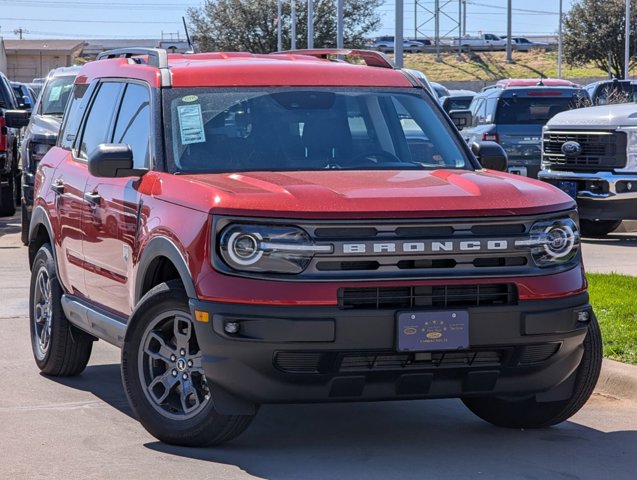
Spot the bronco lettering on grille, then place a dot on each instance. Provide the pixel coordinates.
(424, 246)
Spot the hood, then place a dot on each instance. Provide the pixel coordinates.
(601, 116)
(45, 126)
(364, 194)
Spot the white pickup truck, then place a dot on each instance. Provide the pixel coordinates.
(485, 41)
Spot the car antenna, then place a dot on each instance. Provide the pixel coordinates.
(192, 48)
(540, 83)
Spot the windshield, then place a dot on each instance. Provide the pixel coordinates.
(55, 94)
(534, 110)
(283, 129)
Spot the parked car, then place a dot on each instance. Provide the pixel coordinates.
(386, 45)
(42, 132)
(292, 229)
(612, 91)
(522, 44)
(590, 154)
(457, 100)
(484, 41)
(24, 95)
(513, 114)
(9, 141)
(440, 89)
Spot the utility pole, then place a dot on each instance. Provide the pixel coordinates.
(464, 17)
(437, 23)
(398, 35)
(559, 45)
(310, 23)
(339, 23)
(627, 44)
(293, 28)
(509, 57)
(279, 26)
(459, 30)
(20, 31)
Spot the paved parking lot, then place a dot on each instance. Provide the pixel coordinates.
(82, 427)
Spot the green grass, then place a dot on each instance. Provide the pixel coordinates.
(614, 299)
(488, 66)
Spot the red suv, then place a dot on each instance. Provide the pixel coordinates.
(286, 228)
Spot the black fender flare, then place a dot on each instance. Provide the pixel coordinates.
(163, 247)
(39, 217)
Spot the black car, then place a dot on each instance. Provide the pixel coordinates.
(41, 133)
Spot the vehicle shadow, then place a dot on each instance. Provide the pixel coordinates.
(614, 239)
(10, 224)
(417, 439)
(103, 381)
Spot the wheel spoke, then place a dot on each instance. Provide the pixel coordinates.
(167, 381)
(39, 317)
(189, 398)
(163, 353)
(196, 363)
(42, 287)
(183, 331)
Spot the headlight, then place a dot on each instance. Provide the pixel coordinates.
(37, 151)
(552, 242)
(631, 149)
(265, 248)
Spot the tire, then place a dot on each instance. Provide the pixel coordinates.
(7, 200)
(59, 348)
(160, 357)
(24, 224)
(528, 412)
(599, 228)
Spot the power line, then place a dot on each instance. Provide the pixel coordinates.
(136, 22)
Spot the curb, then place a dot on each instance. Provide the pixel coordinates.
(618, 380)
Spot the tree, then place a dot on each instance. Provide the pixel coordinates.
(594, 31)
(251, 25)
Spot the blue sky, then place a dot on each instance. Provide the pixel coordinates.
(148, 18)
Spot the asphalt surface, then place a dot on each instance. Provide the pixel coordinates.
(82, 427)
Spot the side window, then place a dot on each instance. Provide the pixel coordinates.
(73, 116)
(98, 123)
(477, 112)
(133, 123)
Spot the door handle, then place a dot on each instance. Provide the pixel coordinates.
(92, 197)
(58, 186)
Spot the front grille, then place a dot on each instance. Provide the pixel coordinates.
(401, 249)
(438, 296)
(601, 151)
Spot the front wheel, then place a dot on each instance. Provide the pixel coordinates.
(163, 375)
(528, 412)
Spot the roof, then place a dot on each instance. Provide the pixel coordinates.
(246, 69)
(27, 47)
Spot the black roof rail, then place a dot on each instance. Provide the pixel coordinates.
(372, 58)
(157, 57)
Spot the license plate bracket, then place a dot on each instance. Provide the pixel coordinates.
(432, 331)
(568, 186)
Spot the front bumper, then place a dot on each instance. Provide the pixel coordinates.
(600, 195)
(322, 354)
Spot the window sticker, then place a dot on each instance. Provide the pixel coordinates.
(54, 96)
(191, 124)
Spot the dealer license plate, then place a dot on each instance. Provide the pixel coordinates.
(428, 331)
(568, 187)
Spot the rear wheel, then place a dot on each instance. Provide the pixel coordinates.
(598, 228)
(528, 412)
(59, 348)
(163, 375)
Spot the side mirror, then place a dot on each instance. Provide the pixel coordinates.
(26, 104)
(461, 118)
(490, 155)
(113, 160)
(16, 118)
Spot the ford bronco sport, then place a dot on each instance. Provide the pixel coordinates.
(285, 228)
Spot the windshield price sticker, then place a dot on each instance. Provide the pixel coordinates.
(191, 124)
